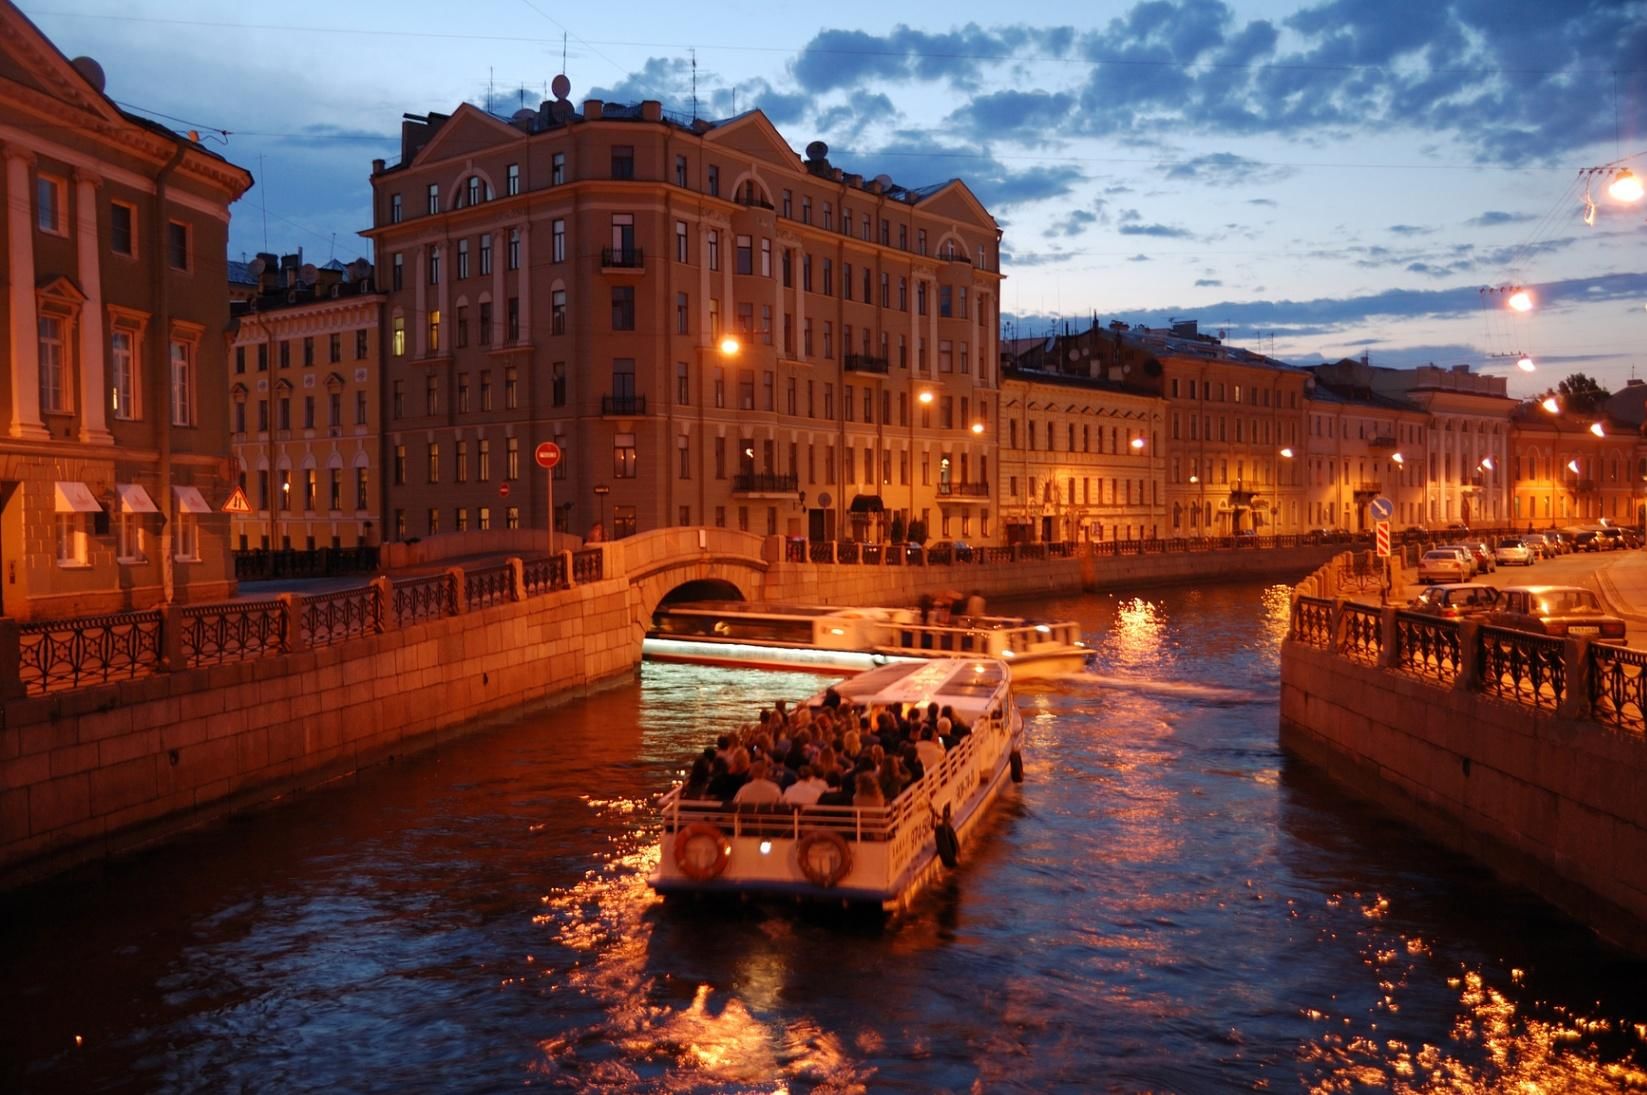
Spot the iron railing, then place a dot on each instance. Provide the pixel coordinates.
(1521, 666)
(419, 599)
(88, 650)
(963, 490)
(1312, 621)
(544, 575)
(327, 618)
(232, 632)
(1363, 633)
(488, 586)
(623, 258)
(623, 404)
(765, 482)
(864, 363)
(1618, 685)
(1428, 646)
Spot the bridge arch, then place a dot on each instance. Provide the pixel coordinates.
(728, 564)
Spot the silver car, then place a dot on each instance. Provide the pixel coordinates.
(1512, 552)
(1443, 565)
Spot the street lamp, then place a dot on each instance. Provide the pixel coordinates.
(925, 398)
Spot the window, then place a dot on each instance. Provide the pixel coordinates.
(513, 261)
(846, 281)
(128, 545)
(361, 488)
(434, 331)
(123, 383)
(512, 185)
(511, 388)
(461, 520)
(360, 407)
(49, 214)
(557, 240)
(683, 314)
(433, 192)
(183, 380)
(513, 319)
(485, 323)
(623, 307)
(746, 389)
(177, 245)
(434, 521)
(745, 257)
(433, 473)
(557, 312)
(472, 196)
(486, 389)
(714, 181)
(463, 393)
(397, 336)
(828, 278)
(397, 271)
(557, 169)
(714, 247)
(335, 348)
(557, 384)
(308, 412)
(680, 170)
(683, 384)
(483, 520)
(186, 539)
(511, 457)
(461, 466)
(623, 161)
(53, 378)
(682, 252)
(623, 455)
(485, 254)
(766, 258)
(483, 460)
(334, 409)
(394, 209)
(122, 229)
(511, 517)
(360, 344)
(463, 258)
(431, 394)
(461, 339)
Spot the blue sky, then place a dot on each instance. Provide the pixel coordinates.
(1318, 179)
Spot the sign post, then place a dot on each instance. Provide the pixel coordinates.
(1382, 510)
(548, 455)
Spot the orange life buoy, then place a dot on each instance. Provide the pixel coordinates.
(824, 857)
(701, 851)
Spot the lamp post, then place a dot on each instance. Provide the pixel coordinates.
(728, 347)
(924, 398)
(601, 491)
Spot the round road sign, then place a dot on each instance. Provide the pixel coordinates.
(503, 490)
(548, 454)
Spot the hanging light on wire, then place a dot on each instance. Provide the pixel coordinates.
(1625, 187)
(1525, 364)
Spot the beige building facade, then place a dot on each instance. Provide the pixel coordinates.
(304, 405)
(1360, 447)
(569, 276)
(114, 460)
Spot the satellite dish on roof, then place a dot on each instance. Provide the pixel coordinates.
(307, 274)
(256, 267)
(884, 181)
(561, 86)
(524, 114)
(817, 150)
(90, 70)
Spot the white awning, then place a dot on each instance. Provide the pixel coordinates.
(134, 499)
(76, 498)
(190, 501)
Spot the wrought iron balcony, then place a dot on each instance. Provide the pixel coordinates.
(1369, 486)
(864, 363)
(622, 405)
(765, 482)
(1385, 442)
(964, 490)
(622, 258)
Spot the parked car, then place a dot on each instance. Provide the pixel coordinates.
(946, 551)
(1443, 565)
(1586, 541)
(1470, 559)
(1453, 601)
(1614, 538)
(1550, 544)
(1328, 536)
(1512, 552)
(1483, 553)
(1555, 610)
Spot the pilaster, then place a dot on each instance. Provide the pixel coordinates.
(24, 335)
(94, 377)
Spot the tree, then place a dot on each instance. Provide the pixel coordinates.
(898, 528)
(1581, 394)
(917, 532)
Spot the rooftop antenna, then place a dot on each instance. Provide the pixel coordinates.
(489, 88)
(694, 53)
(563, 51)
(263, 196)
(332, 254)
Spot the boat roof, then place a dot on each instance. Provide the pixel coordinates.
(966, 684)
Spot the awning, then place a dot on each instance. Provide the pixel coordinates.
(134, 499)
(76, 498)
(190, 501)
(866, 503)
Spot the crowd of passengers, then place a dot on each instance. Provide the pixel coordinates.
(833, 755)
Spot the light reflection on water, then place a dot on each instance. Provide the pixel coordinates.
(1167, 903)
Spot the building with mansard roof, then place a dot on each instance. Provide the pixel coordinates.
(568, 275)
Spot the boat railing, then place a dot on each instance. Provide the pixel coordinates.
(966, 638)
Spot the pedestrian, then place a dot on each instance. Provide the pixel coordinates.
(975, 604)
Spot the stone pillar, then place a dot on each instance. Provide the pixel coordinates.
(1470, 658)
(459, 602)
(11, 657)
(1388, 654)
(24, 334)
(94, 378)
(1337, 630)
(571, 575)
(1576, 703)
(293, 606)
(517, 577)
(171, 638)
(385, 601)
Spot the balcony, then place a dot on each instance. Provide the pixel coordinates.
(622, 406)
(864, 363)
(1581, 486)
(765, 484)
(963, 492)
(752, 201)
(1385, 442)
(622, 260)
(1368, 489)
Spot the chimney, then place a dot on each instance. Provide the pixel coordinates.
(651, 110)
(592, 110)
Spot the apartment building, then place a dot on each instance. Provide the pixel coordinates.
(1081, 454)
(1570, 468)
(113, 463)
(570, 275)
(304, 403)
(1361, 446)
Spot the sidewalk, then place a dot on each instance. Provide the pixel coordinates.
(1621, 581)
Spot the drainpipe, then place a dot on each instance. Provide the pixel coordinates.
(160, 387)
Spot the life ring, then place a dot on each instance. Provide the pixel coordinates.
(1016, 759)
(701, 851)
(824, 857)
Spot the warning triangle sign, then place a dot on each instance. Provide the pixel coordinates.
(238, 502)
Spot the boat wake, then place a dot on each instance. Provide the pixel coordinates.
(1207, 693)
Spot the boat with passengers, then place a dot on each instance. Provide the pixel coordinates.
(829, 639)
(867, 855)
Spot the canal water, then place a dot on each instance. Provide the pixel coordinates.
(1166, 904)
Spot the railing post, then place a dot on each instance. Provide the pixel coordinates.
(1338, 617)
(459, 602)
(293, 606)
(1576, 703)
(11, 659)
(1388, 655)
(1470, 656)
(571, 571)
(517, 578)
(171, 639)
(385, 603)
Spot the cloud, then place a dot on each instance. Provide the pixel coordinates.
(1270, 202)
(1226, 169)
(924, 160)
(1408, 230)
(856, 114)
(1077, 221)
(1132, 224)
(1204, 283)
(1493, 217)
(1028, 117)
(1140, 258)
(845, 59)
(1038, 258)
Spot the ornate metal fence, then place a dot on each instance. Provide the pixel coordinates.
(420, 599)
(327, 618)
(488, 586)
(1618, 685)
(1527, 668)
(545, 575)
(1312, 621)
(213, 634)
(1428, 646)
(588, 565)
(1363, 633)
(88, 650)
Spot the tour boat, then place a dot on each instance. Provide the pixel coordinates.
(859, 856)
(831, 640)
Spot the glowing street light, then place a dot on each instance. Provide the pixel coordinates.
(1551, 405)
(1287, 453)
(1397, 458)
(1626, 186)
(978, 427)
(1486, 463)
(1597, 429)
(1525, 364)
(1521, 300)
(1137, 444)
(1572, 465)
(729, 345)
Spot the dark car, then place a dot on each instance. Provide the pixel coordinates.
(1555, 610)
(1452, 601)
(1587, 540)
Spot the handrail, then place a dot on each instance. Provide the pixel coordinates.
(58, 654)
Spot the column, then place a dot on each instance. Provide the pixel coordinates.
(25, 322)
(420, 303)
(523, 282)
(94, 377)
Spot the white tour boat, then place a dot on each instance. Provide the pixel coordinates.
(830, 640)
(873, 855)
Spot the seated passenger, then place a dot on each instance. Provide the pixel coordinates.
(866, 791)
(697, 784)
(929, 749)
(806, 790)
(759, 790)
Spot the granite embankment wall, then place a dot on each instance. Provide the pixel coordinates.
(1547, 795)
(92, 770)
